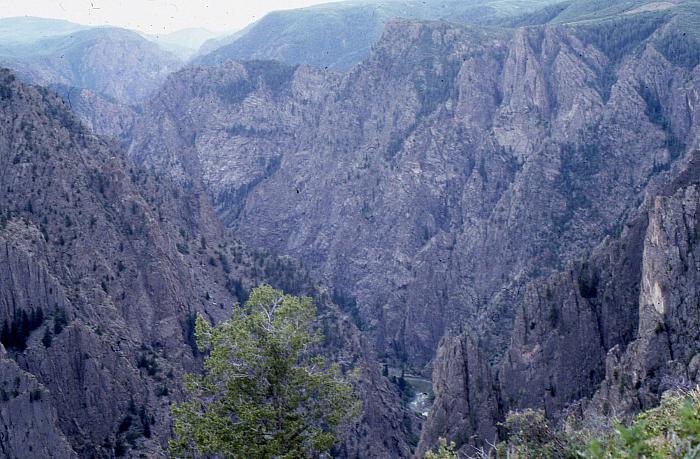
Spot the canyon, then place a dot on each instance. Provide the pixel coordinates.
(505, 204)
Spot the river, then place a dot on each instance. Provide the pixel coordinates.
(422, 392)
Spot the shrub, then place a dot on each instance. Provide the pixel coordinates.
(529, 435)
(264, 392)
(444, 451)
(670, 430)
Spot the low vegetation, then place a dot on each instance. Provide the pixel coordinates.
(671, 430)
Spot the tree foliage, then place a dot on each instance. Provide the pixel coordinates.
(264, 391)
(530, 435)
(671, 430)
(14, 333)
(444, 451)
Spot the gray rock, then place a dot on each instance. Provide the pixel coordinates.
(440, 175)
(119, 261)
(612, 332)
(466, 406)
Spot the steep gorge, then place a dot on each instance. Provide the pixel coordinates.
(435, 179)
(607, 336)
(102, 268)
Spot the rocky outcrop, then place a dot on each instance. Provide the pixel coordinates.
(103, 115)
(102, 270)
(28, 422)
(441, 174)
(666, 352)
(467, 404)
(568, 322)
(609, 334)
(581, 328)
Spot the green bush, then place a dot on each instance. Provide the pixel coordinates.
(670, 430)
(530, 435)
(444, 451)
(265, 392)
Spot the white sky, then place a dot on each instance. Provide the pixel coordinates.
(153, 16)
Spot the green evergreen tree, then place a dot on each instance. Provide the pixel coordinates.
(264, 393)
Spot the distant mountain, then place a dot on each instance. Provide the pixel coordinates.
(26, 29)
(117, 63)
(184, 43)
(219, 42)
(338, 35)
(592, 11)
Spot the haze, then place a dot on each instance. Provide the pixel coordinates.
(153, 16)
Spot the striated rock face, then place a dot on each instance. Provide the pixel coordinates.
(441, 174)
(567, 323)
(666, 351)
(614, 330)
(28, 422)
(102, 268)
(103, 115)
(466, 404)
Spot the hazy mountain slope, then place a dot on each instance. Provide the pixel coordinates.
(581, 10)
(339, 35)
(185, 42)
(23, 29)
(437, 177)
(114, 62)
(102, 267)
(219, 42)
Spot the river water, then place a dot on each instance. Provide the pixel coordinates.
(422, 388)
(423, 395)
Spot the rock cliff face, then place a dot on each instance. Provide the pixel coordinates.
(611, 333)
(467, 405)
(28, 423)
(102, 268)
(103, 115)
(666, 351)
(430, 183)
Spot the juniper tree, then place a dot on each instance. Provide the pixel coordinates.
(265, 392)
